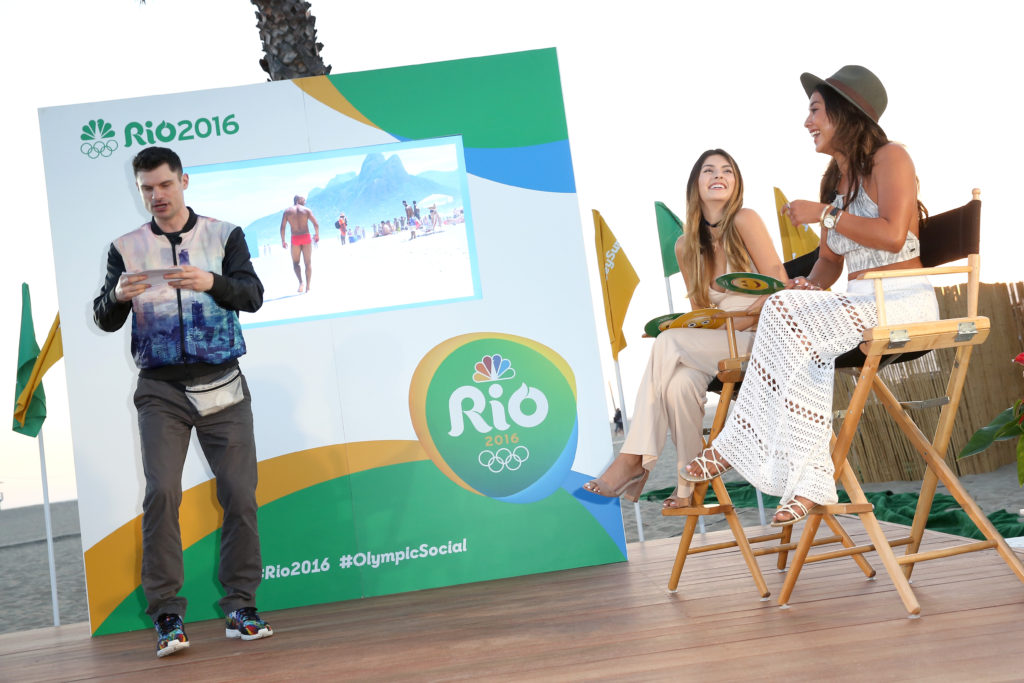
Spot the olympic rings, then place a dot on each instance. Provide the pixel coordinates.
(94, 150)
(504, 459)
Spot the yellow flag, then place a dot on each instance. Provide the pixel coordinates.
(618, 280)
(796, 240)
(52, 351)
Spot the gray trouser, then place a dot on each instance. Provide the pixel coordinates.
(166, 419)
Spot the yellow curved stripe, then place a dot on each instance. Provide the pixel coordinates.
(113, 565)
(321, 89)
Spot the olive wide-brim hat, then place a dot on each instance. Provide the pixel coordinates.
(857, 85)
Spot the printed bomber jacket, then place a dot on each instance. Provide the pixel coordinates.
(179, 333)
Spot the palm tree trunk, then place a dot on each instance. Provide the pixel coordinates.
(288, 31)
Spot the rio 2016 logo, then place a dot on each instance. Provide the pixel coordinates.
(185, 129)
(99, 138)
(497, 415)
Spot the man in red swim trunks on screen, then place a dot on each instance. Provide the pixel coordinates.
(298, 216)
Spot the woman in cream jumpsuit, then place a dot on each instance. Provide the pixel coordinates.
(720, 237)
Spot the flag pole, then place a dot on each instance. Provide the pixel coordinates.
(49, 531)
(668, 293)
(617, 286)
(622, 398)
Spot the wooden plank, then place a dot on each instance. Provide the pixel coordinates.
(696, 510)
(598, 622)
(914, 272)
(841, 508)
(933, 335)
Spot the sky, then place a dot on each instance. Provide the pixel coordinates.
(249, 191)
(647, 86)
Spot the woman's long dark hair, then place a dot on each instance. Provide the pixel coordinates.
(858, 138)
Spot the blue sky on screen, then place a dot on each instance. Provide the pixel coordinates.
(243, 191)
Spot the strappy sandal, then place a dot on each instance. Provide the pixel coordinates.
(704, 463)
(795, 515)
(630, 490)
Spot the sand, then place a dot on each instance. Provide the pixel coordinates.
(24, 574)
(993, 491)
(371, 274)
(24, 570)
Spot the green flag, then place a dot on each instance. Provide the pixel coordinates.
(28, 351)
(669, 230)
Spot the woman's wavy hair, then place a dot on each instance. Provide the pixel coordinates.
(857, 137)
(698, 253)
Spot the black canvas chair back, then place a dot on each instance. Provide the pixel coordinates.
(801, 265)
(951, 235)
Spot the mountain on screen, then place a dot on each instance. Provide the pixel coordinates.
(373, 195)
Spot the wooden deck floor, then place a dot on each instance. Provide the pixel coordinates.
(614, 621)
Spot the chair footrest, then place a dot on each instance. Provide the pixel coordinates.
(786, 547)
(697, 510)
(841, 509)
(946, 552)
(733, 543)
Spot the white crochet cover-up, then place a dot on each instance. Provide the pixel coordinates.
(777, 436)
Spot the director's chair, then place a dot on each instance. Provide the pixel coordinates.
(946, 237)
(726, 383)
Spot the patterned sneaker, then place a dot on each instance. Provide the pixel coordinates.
(170, 633)
(246, 624)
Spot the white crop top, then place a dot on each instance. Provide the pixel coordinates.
(858, 257)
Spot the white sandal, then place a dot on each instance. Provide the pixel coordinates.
(703, 461)
(795, 515)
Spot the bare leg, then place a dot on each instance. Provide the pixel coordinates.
(307, 257)
(296, 250)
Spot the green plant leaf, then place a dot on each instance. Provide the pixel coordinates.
(1010, 429)
(1020, 461)
(984, 437)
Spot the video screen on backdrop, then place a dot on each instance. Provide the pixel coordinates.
(395, 227)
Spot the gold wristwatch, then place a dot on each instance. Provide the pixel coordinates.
(830, 219)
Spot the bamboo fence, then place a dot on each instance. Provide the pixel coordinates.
(880, 450)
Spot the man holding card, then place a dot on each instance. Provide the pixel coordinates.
(184, 277)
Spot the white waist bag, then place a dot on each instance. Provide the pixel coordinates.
(221, 393)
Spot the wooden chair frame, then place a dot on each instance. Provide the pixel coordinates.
(878, 342)
(962, 334)
(730, 374)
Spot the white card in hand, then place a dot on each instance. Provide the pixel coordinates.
(155, 278)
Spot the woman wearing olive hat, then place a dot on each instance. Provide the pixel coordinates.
(778, 434)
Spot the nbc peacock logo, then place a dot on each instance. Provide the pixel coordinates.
(98, 139)
(497, 415)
